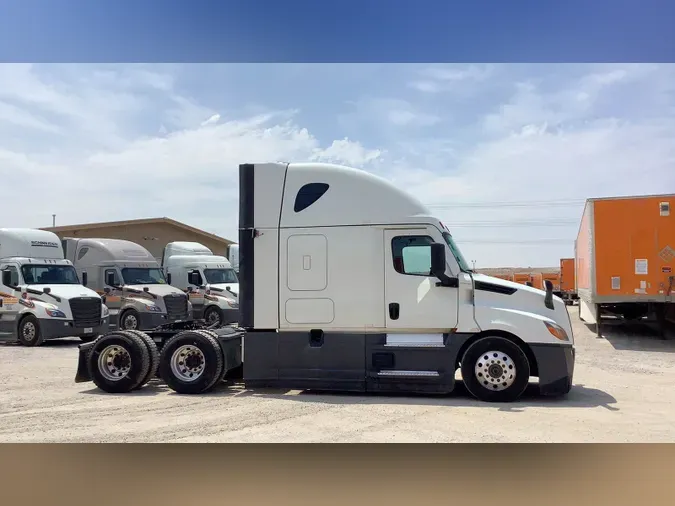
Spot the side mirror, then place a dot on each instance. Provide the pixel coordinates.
(84, 279)
(438, 266)
(548, 299)
(168, 278)
(107, 290)
(7, 278)
(110, 279)
(438, 260)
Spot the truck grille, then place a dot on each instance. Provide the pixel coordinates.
(176, 306)
(86, 311)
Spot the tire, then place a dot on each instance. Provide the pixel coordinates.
(481, 378)
(202, 347)
(153, 352)
(213, 312)
(29, 332)
(129, 316)
(118, 362)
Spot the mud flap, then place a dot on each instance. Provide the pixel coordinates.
(82, 375)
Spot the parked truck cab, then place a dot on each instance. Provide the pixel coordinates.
(233, 256)
(43, 297)
(377, 296)
(209, 280)
(132, 281)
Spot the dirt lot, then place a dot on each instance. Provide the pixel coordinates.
(624, 392)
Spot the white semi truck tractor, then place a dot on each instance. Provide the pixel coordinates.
(131, 281)
(42, 295)
(348, 283)
(208, 279)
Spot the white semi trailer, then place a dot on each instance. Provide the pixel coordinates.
(42, 296)
(131, 280)
(208, 279)
(373, 296)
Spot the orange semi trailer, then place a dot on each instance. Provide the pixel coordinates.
(568, 287)
(625, 255)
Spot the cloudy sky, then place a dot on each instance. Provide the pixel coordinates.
(504, 154)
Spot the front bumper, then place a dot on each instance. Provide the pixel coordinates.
(149, 321)
(58, 328)
(555, 364)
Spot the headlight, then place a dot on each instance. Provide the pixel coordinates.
(105, 310)
(557, 331)
(56, 313)
(152, 308)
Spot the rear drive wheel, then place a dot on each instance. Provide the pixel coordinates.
(118, 362)
(191, 362)
(495, 369)
(130, 320)
(153, 352)
(30, 333)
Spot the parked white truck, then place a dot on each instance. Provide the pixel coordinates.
(132, 281)
(42, 296)
(373, 296)
(233, 256)
(208, 279)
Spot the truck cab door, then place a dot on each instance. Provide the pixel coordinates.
(413, 302)
(9, 301)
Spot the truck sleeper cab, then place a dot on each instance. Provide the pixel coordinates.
(132, 281)
(375, 296)
(208, 279)
(42, 296)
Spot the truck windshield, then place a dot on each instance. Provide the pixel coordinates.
(49, 275)
(463, 265)
(143, 276)
(214, 276)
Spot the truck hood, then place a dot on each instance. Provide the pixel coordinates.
(234, 287)
(159, 290)
(65, 292)
(527, 299)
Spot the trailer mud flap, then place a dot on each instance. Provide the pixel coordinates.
(82, 375)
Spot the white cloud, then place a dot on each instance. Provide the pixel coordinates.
(91, 142)
(439, 78)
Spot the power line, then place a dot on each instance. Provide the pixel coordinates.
(495, 204)
(533, 241)
(509, 224)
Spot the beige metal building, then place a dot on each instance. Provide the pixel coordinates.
(153, 234)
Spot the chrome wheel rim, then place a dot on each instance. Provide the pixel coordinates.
(114, 363)
(29, 331)
(188, 363)
(495, 370)
(130, 322)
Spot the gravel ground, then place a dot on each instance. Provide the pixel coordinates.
(623, 392)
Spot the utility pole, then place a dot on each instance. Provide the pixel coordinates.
(53, 220)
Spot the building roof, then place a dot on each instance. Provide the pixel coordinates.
(142, 221)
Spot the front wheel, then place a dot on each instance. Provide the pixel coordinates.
(213, 316)
(29, 332)
(495, 369)
(130, 320)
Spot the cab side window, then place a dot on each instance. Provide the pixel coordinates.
(412, 254)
